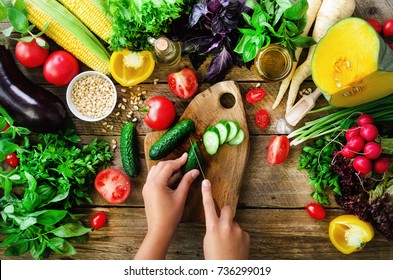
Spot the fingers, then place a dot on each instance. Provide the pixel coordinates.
(208, 203)
(174, 178)
(167, 168)
(226, 214)
(186, 182)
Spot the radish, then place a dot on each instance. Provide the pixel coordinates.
(351, 132)
(362, 164)
(372, 150)
(381, 165)
(365, 119)
(347, 152)
(369, 132)
(355, 144)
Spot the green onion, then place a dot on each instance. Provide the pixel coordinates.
(381, 110)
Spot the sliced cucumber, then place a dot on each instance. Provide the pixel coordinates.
(223, 128)
(234, 129)
(211, 140)
(238, 138)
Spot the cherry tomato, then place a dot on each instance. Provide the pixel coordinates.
(184, 83)
(112, 185)
(161, 113)
(388, 28)
(278, 149)
(98, 220)
(255, 95)
(12, 160)
(60, 67)
(375, 24)
(316, 211)
(262, 119)
(31, 54)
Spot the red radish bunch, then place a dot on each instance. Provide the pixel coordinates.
(362, 147)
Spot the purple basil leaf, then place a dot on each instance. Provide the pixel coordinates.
(198, 10)
(218, 26)
(219, 67)
(197, 44)
(214, 6)
(216, 43)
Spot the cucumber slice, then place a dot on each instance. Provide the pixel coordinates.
(238, 138)
(211, 140)
(223, 128)
(234, 129)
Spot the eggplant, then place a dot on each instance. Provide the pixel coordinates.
(30, 105)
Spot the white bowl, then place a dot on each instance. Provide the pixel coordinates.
(110, 103)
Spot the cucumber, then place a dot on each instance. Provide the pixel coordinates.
(171, 139)
(211, 140)
(194, 155)
(223, 127)
(237, 139)
(234, 129)
(129, 149)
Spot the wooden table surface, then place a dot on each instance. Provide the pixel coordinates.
(272, 199)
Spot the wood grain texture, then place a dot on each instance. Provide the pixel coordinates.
(226, 168)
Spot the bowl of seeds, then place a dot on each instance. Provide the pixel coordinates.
(91, 96)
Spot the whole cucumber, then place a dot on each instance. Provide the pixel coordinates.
(129, 149)
(171, 139)
(29, 105)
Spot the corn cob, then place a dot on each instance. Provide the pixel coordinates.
(91, 14)
(68, 32)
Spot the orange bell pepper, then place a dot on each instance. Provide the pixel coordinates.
(131, 68)
(349, 234)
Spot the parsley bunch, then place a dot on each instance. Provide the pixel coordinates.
(273, 21)
(54, 174)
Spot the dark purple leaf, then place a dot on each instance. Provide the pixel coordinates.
(197, 12)
(214, 6)
(219, 67)
(218, 25)
(197, 59)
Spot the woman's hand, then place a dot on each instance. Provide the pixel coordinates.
(164, 205)
(224, 239)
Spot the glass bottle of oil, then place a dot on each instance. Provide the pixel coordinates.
(166, 51)
(273, 63)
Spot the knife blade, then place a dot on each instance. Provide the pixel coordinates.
(197, 159)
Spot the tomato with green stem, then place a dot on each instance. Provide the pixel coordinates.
(160, 112)
(32, 52)
(278, 149)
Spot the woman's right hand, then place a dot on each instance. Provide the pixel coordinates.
(224, 239)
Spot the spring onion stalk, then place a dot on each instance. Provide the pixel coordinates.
(381, 110)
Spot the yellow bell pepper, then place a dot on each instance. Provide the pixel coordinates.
(349, 234)
(130, 68)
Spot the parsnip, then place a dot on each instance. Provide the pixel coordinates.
(313, 7)
(330, 12)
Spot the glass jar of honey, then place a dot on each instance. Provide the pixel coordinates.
(273, 63)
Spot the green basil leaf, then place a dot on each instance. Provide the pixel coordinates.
(71, 230)
(3, 12)
(6, 147)
(241, 43)
(250, 51)
(269, 6)
(292, 28)
(26, 223)
(30, 201)
(49, 217)
(17, 250)
(247, 31)
(247, 18)
(37, 249)
(18, 20)
(10, 240)
(61, 195)
(61, 246)
(7, 3)
(42, 43)
(46, 192)
(303, 41)
(26, 39)
(297, 11)
(251, 4)
(20, 6)
(9, 209)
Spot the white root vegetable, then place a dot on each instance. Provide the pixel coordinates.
(313, 7)
(330, 12)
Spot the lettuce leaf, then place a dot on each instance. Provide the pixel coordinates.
(134, 21)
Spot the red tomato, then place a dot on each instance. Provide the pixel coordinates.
(98, 220)
(255, 95)
(60, 67)
(184, 83)
(112, 185)
(30, 54)
(262, 119)
(316, 211)
(375, 24)
(161, 113)
(388, 28)
(278, 149)
(12, 160)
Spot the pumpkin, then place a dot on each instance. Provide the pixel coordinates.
(352, 64)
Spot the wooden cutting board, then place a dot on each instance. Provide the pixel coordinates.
(225, 169)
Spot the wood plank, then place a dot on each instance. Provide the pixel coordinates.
(275, 234)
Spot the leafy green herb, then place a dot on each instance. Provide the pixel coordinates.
(55, 173)
(273, 21)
